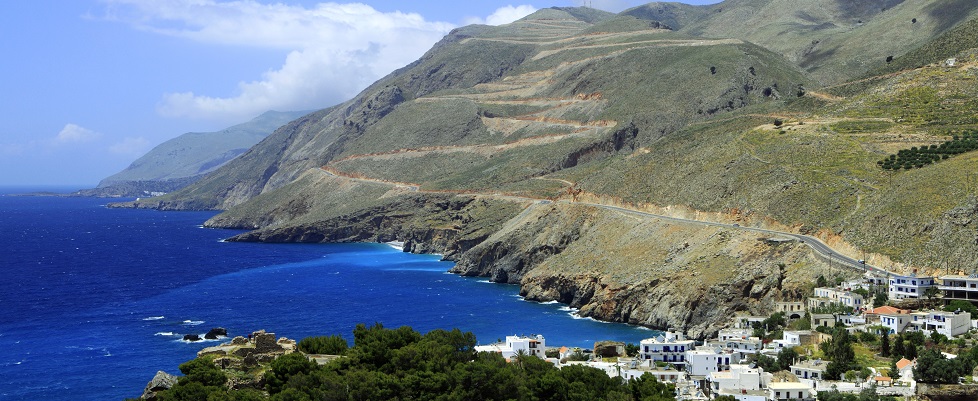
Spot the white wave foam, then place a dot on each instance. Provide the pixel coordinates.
(549, 303)
(193, 322)
(154, 318)
(165, 333)
(202, 340)
(399, 245)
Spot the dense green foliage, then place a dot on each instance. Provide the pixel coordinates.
(917, 157)
(868, 394)
(329, 345)
(840, 351)
(390, 364)
(934, 367)
(963, 306)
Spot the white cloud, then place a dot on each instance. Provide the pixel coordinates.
(72, 133)
(504, 15)
(131, 147)
(335, 50)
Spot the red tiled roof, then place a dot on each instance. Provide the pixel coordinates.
(903, 363)
(887, 310)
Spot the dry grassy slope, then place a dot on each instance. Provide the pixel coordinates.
(578, 98)
(819, 171)
(607, 264)
(834, 39)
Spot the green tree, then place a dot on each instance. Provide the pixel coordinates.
(647, 388)
(203, 371)
(631, 349)
(329, 345)
(786, 357)
(933, 367)
(821, 281)
(885, 345)
(898, 347)
(963, 306)
(188, 391)
(765, 362)
(916, 338)
(285, 367)
(841, 353)
(880, 299)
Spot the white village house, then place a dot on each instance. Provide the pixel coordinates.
(903, 287)
(530, 345)
(949, 324)
(670, 347)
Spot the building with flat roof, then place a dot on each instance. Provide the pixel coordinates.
(741, 381)
(825, 296)
(958, 287)
(810, 369)
(903, 287)
(894, 323)
(949, 324)
(531, 345)
(705, 360)
(782, 391)
(670, 347)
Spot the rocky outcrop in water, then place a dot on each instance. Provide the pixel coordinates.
(216, 333)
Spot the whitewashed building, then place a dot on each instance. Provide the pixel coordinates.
(957, 287)
(670, 347)
(903, 287)
(741, 381)
(530, 345)
(894, 322)
(705, 360)
(782, 391)
(810, 369)
(825, 296)
(949, 324)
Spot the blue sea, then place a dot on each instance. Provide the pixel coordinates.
(94, 301)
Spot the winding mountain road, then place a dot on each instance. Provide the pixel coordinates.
(814, 243)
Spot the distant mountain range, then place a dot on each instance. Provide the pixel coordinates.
(505, 148)
(181, 161)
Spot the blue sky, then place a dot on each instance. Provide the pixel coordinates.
(90, 85)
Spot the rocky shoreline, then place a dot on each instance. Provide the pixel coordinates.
(691, 278)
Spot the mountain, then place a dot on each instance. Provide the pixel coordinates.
(833, 40)
(625, 164)
(181, 161)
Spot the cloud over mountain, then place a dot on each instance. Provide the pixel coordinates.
(334, 50)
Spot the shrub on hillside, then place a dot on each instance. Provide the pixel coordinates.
(329, 345)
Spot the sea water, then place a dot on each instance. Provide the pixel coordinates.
(94, 301)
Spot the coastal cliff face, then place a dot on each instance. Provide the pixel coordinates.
(481, 149)
(610, 265)
(642, 270)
